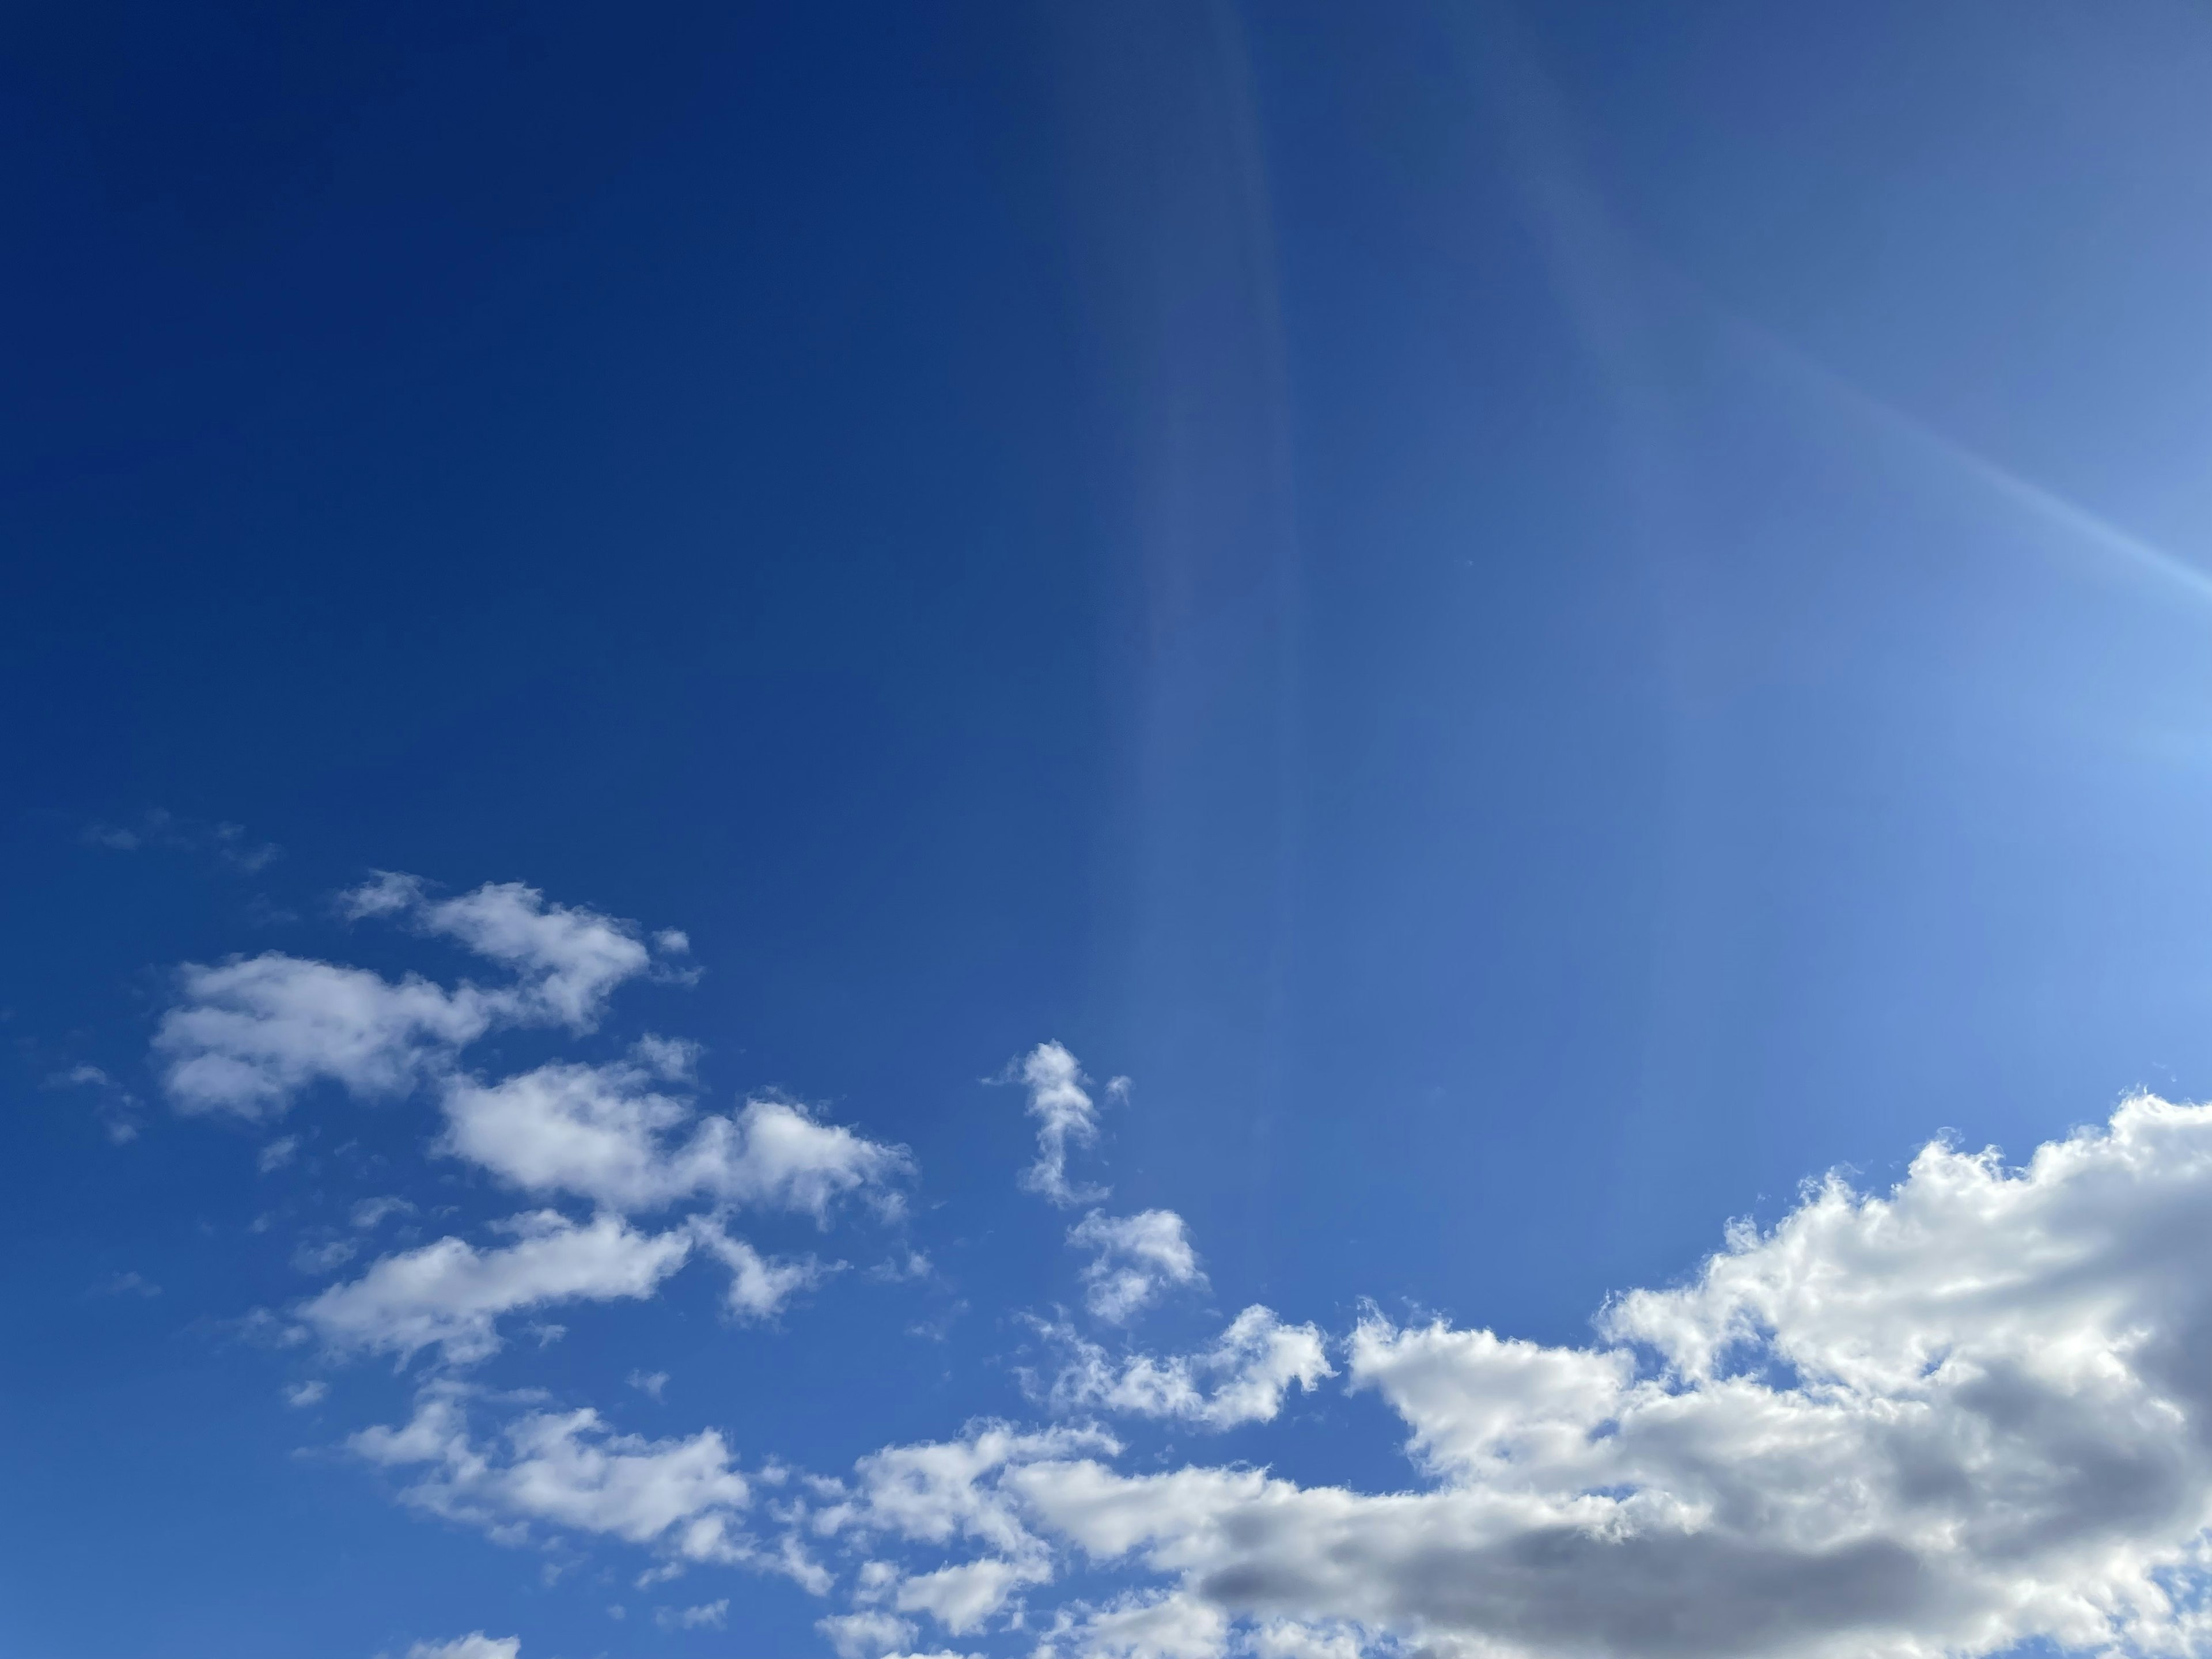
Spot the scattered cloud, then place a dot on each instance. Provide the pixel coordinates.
(1241, 1379)
(128, 1284)
(277, 1153)
(606, 1133)
(1135, 1259)
(649, 1382)
(309, 1393)
(1945, 1420)
(451, 1295)
(118, 1108)
(1066, 1117)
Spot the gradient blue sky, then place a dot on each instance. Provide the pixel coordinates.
(1541, 622)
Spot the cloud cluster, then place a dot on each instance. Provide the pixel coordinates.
(945, 1495)
(248, 1036)
(1970, 1413)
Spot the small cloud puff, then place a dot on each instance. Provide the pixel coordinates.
(1135, 1258)
(475, 1645)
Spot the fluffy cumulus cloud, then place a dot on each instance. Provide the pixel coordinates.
(567, 1469)
(1242, 1378)
(867, 1634)
(946, 1497)
(566, 959)
(451, 1294)
(245, 1036)
(610, 1134)
(1134, 1259)
(248, 1036)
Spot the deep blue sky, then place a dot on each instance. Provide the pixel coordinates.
(1541, 623)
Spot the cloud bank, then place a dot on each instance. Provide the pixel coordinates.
(1968, 1413)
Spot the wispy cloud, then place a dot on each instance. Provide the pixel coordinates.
(1067, 1117)
(159, 828)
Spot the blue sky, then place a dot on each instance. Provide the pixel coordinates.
(1008, 831)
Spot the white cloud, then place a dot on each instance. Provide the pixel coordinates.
(1967, 1414)
(251, 1034)
(451, 1294)
(1241, 1379)
(941, 1491)
(307, 1394)
(566, 959)
(1135, 1258)
(248, 1036)
(567, 1469)
(865, 1635)
(277, 1153)
(475, 1645)
(1141, 1627)
(606, 1133)
(1066, 1117)
(649, 1382)
(759, 1286)
(961, 1596)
